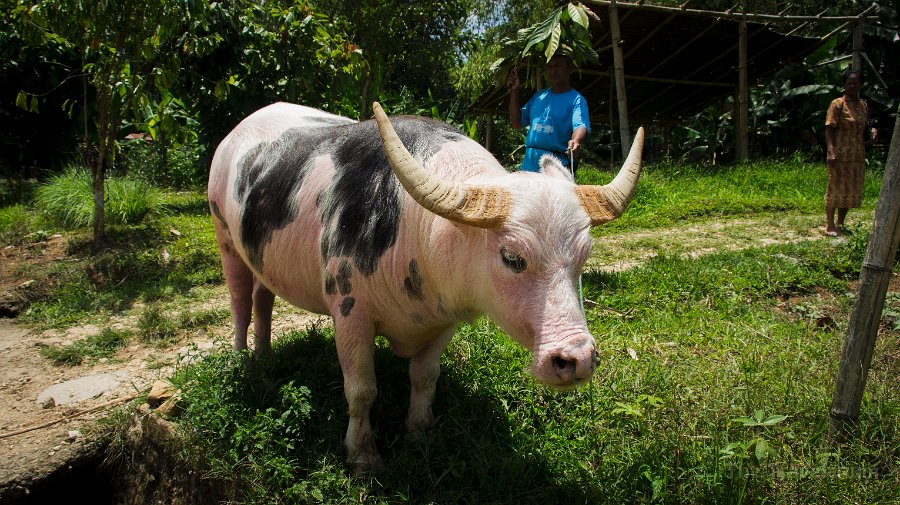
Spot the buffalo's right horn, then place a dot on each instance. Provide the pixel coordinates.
(484, 207)
(605, 203)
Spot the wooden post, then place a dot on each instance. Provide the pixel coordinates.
(857, 46)
(489, 131)
(859, 343)
(619, 66)
(741, 107)
(612, 122)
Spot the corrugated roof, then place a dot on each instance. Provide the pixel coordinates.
(676, 63)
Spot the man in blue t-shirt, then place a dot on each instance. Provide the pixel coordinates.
(557, 117)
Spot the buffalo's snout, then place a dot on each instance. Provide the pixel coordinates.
(571, 365)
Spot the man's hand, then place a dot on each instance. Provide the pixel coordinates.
(574, 146)
(513, 82)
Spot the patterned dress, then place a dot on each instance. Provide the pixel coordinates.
(845, 175)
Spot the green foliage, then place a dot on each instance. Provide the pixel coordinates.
(177, 167)
(15, 224)
(566, 30)
(245, 419)
(66, 200)
(125, 50)
(101, 345)
(674, 194)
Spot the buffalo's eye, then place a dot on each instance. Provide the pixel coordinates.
(513, 261)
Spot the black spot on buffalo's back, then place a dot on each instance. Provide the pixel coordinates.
(361, 210)
(343, 278)
(246, 167)
(270, 177)
(412, 284)
(347, 305)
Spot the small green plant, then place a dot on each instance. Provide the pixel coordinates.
(154, 326)
(101, 345)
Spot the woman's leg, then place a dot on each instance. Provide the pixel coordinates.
(830, 228)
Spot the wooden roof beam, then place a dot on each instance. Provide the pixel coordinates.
(603, 73)
(734, 15)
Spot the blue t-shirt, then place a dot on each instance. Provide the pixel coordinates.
(551, 118)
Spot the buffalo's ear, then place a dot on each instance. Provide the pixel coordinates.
(551, 166)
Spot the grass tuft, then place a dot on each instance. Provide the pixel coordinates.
(66, 200)
(101, 345)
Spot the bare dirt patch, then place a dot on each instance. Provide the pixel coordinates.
(48, 412)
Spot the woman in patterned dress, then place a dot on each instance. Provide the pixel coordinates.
(845, 125)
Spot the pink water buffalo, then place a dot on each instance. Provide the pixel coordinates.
(404, 228)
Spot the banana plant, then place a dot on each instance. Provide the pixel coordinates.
(566, 30)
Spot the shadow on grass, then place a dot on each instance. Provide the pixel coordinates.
(193, 207)
(472, 455)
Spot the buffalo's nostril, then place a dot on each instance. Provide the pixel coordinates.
(563, 365)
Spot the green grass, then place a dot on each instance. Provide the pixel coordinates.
(101, 345)
(66, 200)
(672, 194)
(726, 403)
(157, 261)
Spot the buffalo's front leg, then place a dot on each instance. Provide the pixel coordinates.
(355, 339)
(424, 369)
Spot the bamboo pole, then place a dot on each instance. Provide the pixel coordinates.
(857, 46)
(859, 343)
(622, 102)
(741, 108)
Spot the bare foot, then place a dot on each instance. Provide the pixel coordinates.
(831, 232)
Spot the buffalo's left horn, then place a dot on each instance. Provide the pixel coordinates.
(484, 207)
(605, 203)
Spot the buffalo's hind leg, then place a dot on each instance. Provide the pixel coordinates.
(248, 295)
(239, 280)
(263, 301)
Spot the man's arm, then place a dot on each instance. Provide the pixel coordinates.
(577, 139)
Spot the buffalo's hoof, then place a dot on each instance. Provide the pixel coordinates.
(365, 463)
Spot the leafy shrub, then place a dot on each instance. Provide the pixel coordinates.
(181, 168)
(66, 200)
(16, 191)
(15, 224)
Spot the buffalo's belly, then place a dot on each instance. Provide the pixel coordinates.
(292, 266)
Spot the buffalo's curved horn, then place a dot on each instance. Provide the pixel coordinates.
(605, 203)
(484, 207)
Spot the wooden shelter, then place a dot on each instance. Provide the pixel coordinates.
(663, 64)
